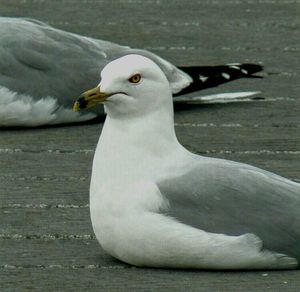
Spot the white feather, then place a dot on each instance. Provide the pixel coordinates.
(21, 110)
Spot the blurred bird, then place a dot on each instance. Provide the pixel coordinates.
(42, 68)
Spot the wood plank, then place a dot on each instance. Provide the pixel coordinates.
(52, 189)
(131, 279)
(234, 139)
(55, 173)
(254, 29)
(41, 221)
(56, 166)
(258, 114)
(49, 191)
(277, 115)
(32, 253)
(198, 12)
(64, 139)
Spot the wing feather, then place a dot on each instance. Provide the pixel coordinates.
(231, 198)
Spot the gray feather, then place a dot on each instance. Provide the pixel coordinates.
(231, 198)
(39, 60)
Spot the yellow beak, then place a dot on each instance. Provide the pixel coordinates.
(90, 98)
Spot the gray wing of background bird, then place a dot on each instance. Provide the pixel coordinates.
(231, 198)
(40, 61)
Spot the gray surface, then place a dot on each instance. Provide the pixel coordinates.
(46, 241)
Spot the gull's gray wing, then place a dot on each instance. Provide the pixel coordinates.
(227, 197)
(39, 60)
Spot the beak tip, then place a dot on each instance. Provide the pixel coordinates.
(80, 103)
(89, 99)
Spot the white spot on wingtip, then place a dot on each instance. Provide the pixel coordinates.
(235, 67)
(244, 71)
(226, 76)
(202, 78)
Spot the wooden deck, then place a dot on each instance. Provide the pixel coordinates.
(46, 239)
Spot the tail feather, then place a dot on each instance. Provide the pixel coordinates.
(212, 76)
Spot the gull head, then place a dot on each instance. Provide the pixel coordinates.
(132, 85)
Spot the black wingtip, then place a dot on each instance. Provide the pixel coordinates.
(212, 76)
(247, 69)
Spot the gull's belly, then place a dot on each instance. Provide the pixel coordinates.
(107, 219)
(116, 215)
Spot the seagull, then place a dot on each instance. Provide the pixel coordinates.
(42, 68)
(155, 204)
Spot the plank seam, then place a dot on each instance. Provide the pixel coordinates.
(47, 236)
(184, 125)
(230, 125)
(45, 206)
(58, 266)
(255, 152)
(235, 49)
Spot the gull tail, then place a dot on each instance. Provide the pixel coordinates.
(212, 76)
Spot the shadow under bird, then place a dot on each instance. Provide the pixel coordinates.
(42, 68)
(155, 204)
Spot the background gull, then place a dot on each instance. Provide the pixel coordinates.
(153, 203)
(43, 68)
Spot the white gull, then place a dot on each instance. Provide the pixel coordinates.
(153, 203)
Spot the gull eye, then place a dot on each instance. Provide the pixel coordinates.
(136, 78)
